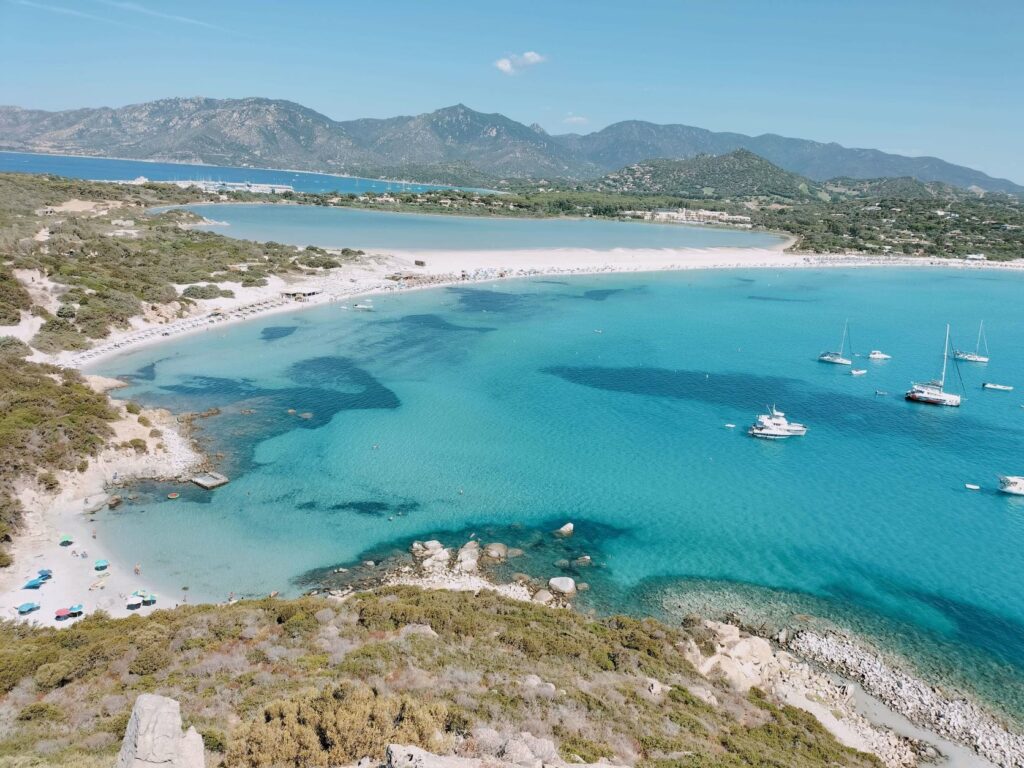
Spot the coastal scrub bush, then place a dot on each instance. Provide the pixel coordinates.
(133, 408)
(41, 711)
(339, 726)
(13, 298)
(210, 291)
(13, 349)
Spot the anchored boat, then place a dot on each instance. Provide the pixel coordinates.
(1012, 484)
(775, 426)
(975, 356)
(836, 358)
(1000, 387)
(932, 392)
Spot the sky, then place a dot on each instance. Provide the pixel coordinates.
(916, 77)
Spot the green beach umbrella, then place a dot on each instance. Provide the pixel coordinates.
(66, 541)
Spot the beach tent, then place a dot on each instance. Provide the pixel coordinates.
(101, 565)
(62, 613)
(66, 541)
(34, 583)
(26, 608)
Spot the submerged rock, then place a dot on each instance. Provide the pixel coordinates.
(566, 530)
(496, 551)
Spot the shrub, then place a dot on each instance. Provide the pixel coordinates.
(41, 711)
(12, 348)
(49, 481)
(338, 727)
(133, 408)
(143, 421)
(150, 659)
(54, 674)
(207, 292)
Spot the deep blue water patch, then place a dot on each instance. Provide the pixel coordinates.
(781, 299)
(275, 332)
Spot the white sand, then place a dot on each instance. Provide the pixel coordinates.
(49, 517)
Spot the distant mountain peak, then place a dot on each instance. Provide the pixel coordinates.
(254, 130)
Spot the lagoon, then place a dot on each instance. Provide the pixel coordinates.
(498, 409)
(358, 228)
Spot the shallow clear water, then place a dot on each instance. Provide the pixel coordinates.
(111, 169)
(356, 228)
(500, 404)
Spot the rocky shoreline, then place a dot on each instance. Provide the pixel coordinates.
(954, 718)
(815, 672)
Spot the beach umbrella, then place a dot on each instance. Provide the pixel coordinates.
(62, 613)
(133, 602)
(101, 565)
(33, 584)
(76, 609)
(66, 541)
(27, 608)
(44, 573)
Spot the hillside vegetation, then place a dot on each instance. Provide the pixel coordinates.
(314, 683)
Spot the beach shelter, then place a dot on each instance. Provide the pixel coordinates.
(101, 565)
(34, 583)
(62, 613)
(66, 541)
(26, 608)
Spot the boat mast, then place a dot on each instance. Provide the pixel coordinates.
(945, 351)
(981, 337)
(842, 342)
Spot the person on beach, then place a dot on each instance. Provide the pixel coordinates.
(138, 569)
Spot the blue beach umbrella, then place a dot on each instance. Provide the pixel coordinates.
(25, 608)
(76, 609)
(34, 584)
(101, 565)
(45, 573)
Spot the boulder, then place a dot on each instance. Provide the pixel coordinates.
(402, 756)
(562, 585)
(154, 738)
(566, 530)
(496, 551)
(468, 558)
(542, 596)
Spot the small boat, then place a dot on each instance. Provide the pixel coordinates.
(880, 393)
(932, 393)
(972, 487)
(1012, 484)
(877, 354)
(173, 495)
(26, 608)
(975, 356)
(363, 307)
(101, 565)
(730, 426)
(1000, 387)
(836, 358)
(34, 583)
(858, 371)
(775, 426)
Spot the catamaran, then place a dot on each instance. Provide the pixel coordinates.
(1012, 484)
(975, 356)
(836, 358)
(775, 426)
(931, 392)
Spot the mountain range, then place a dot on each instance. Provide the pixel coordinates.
(454, 141)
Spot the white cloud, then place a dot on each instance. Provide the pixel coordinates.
(517, 62)
(70, 12)
(572, 119)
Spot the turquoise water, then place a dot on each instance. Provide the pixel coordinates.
(110, 169)
(499, 405)
(355, 228)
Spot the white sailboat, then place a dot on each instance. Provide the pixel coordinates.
(975, 356)
(932, 393)
(1012, 484)
(836, 358)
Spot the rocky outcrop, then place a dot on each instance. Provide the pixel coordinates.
(562, 585)
(522, 750)
(745, 662)
(154, 739)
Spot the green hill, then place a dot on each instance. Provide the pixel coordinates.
(736, 174)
